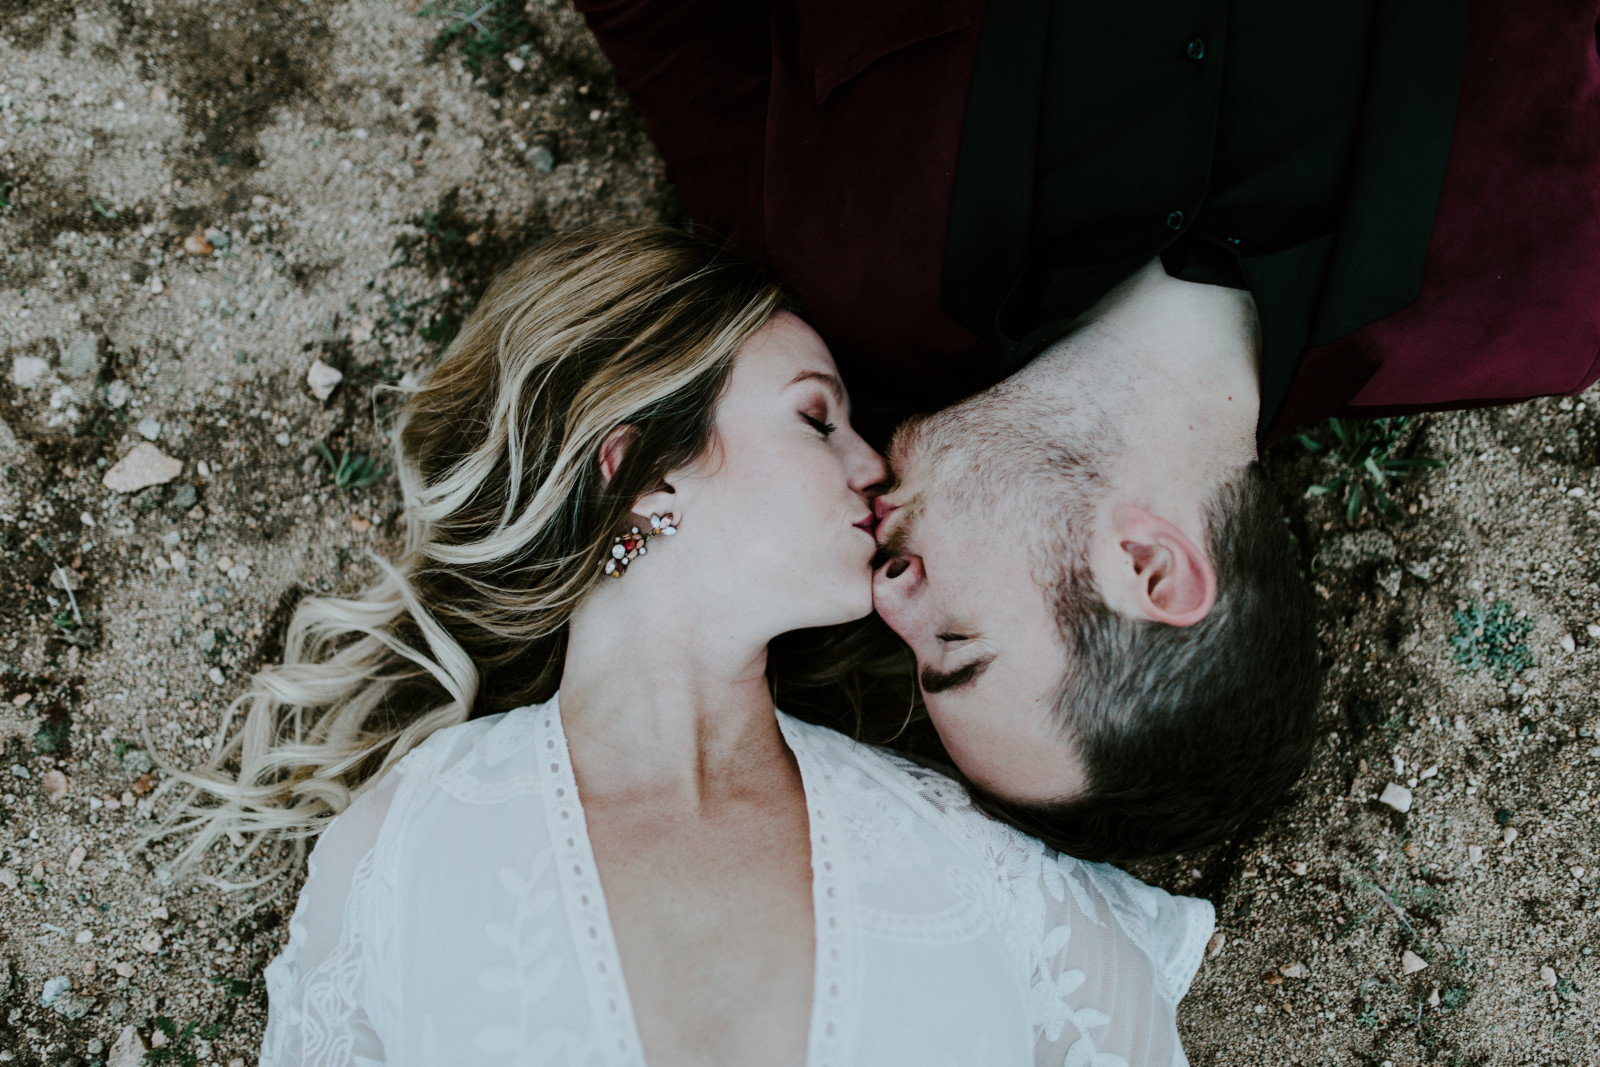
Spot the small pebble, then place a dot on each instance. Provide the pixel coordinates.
(1474, 853)
(1215, 945)
(196, 245)
(1293, 970)
(81, 357)
(149, 429)
(1411, 963)
(118, 393)
(215, 674)
(282, 439)
(1568, 644)
(1433, 998)
(324, 379)
(541, 159)
(1592, 630)
(56, 784)
(27, 371)
(54, 988)
(1396, 796)
(141, 468)
(516, 63)
(1510, 835)
(1547, 975)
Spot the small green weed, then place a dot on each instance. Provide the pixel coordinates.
(1361, 458)
(1454, 998)
(100, 208)
(1369, 1017)
(485, 30)
(351, 472)
(5, 195)
(1492, 639)
(179, 1048)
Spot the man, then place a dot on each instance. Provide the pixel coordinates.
(1180, 229)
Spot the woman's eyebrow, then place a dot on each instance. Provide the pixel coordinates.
(937, 681)
(834, 385)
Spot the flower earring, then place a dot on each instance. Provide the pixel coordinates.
(625, 548)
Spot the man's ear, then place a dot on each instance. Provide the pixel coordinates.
(612, 450)
(1170, 578)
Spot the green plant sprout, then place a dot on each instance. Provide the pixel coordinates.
(351, 472)
(481, 29)
(5, 195)
(1361, 456)
(1493, 639)
(94, 202)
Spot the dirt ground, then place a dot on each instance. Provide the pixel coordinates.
(204, 202)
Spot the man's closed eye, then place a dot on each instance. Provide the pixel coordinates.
(937, 681)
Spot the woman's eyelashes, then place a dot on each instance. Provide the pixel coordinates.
(949, 638)
(820, 425)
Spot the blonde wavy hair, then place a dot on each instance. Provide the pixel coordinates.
(506, 516)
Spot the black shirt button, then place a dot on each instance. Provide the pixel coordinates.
(1175, 221)
(1196, 49)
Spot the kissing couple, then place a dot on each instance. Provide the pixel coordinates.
(561, 817)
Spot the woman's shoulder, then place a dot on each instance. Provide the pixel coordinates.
(480, 761)
(1042, 888)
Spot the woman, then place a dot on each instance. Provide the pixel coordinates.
(631, 472)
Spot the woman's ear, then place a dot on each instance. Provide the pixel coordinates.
(613, 448)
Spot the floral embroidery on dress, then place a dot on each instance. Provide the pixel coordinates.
(880, 831)
(531, 974)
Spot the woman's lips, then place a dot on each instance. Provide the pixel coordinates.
(868, 526)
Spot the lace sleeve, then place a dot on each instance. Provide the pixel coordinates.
(1116, 957)
(315, 1013)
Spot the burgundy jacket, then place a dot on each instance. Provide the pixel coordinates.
(823, 138)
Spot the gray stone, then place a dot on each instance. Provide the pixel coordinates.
(1389, 580)
(129, 1051)
(149, 429)
(147, 500)
(28, 371)
(118, 393)
(54, 989)
(1352, 550)
(145, 466)
(207, 640)
(541, 159)
(81, 357)
(136, 762)
(185, 497)
(72, 1006)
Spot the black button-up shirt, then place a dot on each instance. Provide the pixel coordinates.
(1220, 135)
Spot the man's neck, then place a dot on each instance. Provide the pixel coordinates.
(1172, 368)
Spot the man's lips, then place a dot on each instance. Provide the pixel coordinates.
(868, 526)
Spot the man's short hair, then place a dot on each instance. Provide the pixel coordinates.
(1187, 734)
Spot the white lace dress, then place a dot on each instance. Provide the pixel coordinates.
(454, 916)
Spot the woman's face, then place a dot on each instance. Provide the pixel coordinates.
(775, 521)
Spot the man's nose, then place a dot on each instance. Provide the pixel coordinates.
(903, 575)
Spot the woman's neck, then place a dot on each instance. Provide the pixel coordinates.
(664, 703)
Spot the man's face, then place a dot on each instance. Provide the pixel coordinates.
(969, 527)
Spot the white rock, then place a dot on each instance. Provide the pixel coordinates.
(145, 466)
(118, 393)
(1429, 772)
(1215, 945)
(128, 1051)
(26, 371)
(149, 429)
(1474, 853)
(81, 357)
(1411, 963)
(216, 676)
(323, 379)
(1592, 630)
(1397, 797)
(156, 288)
(1510, 835)
(1293, 970)
(516, 63)
(1547, 975)
(56, 987)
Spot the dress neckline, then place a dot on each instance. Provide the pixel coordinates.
(832, 1027)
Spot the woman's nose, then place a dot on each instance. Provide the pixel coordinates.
(869, 473)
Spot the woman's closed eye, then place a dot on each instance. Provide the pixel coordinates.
(821, 426)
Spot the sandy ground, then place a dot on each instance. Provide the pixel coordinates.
(206, 200)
